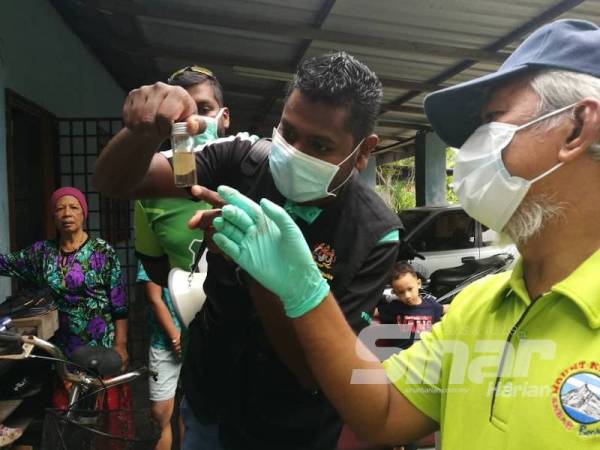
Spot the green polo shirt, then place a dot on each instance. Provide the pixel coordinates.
(161, 224)
(161, 230)
(503, 372)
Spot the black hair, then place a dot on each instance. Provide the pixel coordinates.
(339, 79)
(402, 268)
(189, 78)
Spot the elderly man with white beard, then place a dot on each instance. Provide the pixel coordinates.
(515, 363)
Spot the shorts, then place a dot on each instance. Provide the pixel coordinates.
(167, 366)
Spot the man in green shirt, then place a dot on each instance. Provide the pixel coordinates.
(515, 363)
(163, 241)
(162, 237)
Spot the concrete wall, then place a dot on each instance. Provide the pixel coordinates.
(45, 62)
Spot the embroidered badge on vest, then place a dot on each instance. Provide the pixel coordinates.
(576, 398)
(324, 256)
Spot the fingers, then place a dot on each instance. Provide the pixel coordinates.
(278, 215)
(237, 217)
(128, 107)
(154, 108)
(210, 244)
(229, 230)
(141, 107)
(195, 125)
(229, 247)
(176, 106)
(195, 221)
(234, 224)
(234, 197)
(203, 218)
(202, 193)
(176, 345)
(150, 111)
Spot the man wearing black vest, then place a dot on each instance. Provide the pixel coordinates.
(245, 369)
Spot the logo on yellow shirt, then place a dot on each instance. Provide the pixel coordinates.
(576, 398)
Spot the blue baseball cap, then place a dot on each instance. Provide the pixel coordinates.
(572, 45)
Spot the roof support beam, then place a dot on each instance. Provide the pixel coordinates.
(404, 109)
(318, 22)
(405, 125)
(529, 26)
(255, 68)
(195, 15)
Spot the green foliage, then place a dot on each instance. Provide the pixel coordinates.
(396, 182)
(451, 197)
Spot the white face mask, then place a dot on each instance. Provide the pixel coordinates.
(484, 187)
(300, 177)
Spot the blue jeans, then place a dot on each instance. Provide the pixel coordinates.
(198, 436)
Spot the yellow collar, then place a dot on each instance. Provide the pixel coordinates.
(582, 287)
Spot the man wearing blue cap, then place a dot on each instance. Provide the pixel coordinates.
(515, 363)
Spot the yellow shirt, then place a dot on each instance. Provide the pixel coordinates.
(503, 372)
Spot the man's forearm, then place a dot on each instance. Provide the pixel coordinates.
(281, 334)
(124, 162)
(375, 411)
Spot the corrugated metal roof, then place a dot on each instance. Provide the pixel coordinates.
(253, 46)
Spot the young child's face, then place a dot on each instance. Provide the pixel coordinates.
(406, 287)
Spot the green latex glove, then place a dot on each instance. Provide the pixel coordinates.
(266, 243)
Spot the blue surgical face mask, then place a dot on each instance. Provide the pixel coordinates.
(212, 129)
(300, 177)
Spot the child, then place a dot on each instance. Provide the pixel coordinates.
(164, 357)
(413, 311)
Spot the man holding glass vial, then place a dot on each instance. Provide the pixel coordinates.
(248, 373)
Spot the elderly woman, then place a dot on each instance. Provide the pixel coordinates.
(83, 273)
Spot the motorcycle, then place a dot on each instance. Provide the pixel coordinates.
(445, 284)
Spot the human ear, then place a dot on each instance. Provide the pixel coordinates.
(366, 147)
(586, 130)
(225, 117)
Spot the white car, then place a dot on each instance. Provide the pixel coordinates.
(444, 235)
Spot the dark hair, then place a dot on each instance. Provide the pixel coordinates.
(402, 268)
(339, 79)
(189, 78)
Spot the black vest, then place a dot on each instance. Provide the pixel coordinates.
(231, 373)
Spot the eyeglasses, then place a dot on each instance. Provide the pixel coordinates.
(196, 69)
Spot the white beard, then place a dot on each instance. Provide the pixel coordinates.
(530, 218)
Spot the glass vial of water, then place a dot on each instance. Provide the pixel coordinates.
(184, 164)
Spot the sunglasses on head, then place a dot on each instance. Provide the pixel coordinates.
(196, 69)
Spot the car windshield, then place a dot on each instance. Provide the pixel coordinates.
(448, 230)
(410, 219)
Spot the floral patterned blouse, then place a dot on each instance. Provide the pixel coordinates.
(87, 285)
